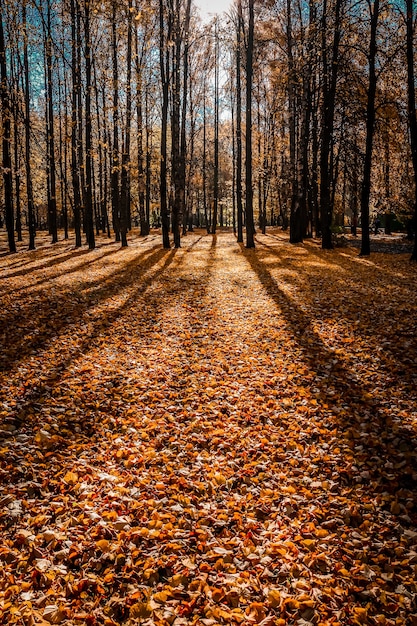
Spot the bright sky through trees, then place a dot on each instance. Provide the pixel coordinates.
(209, 8)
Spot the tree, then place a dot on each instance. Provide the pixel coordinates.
(216, 129)
(50, 131)
(125, 177)
(239, 158)
(29, 188)
(76, 87)
(7, 159)
(411, 102)
(250, 225)
(164, 68)
(330, 69)
(370, 127)
(89, 219)
(115, 191)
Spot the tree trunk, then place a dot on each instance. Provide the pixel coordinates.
(232, 110)
(102, 209)
(216, 130)
(52, 210)
(115, 192)
(75, 73)
(143, 220)
(125, 178)
(412, 120)
(295, 209)
(7, 157)
(330, 72)
(183, 134)
(148, 171)
(63, 133)
(206, 216)
(370, 127)
(239, 201)
(29, 189)
(250, 226)
(164, 70)
(80, 122)
(89, 218)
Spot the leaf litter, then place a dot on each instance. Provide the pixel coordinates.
(209, 435)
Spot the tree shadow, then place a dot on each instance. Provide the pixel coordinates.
(31, 327)
(365, 423)
(66, 272)
(391, 343)
(157, 300)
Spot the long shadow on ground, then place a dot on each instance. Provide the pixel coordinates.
(384, 450)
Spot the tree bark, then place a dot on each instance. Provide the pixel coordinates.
(216, 130)
(75, 173)
(239, 153)
(29, 188)
(125, 177)
(52, 208)
(89, 218)
(115, 191)
(370, 127)
(164, 71)
(412, 120)
(330, 72)
(7, 157)
(250, 226)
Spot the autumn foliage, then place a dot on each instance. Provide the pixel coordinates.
(208, 435)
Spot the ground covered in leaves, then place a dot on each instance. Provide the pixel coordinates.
(210, 435)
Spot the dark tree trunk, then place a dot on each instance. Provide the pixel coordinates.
(188, 224)
(412, 120)
(216, 131)
(370, 127)
(29, 189)
(239, 201)
(206, 216)
(143, 218)
(115, 192)
(80, 123)
(89, 218)
(63, 132)
(107, 157)
(17, 197)
(148, 171)
(330, 72)
(14, 102)
(183, 133)
(232, 109)
(250, 226)
(164, 70)
(7, 157)
(296, 235)
(101, 136)
(52, 209)
(75, 172)
(125, 178)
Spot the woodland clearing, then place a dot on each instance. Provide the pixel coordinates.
(208, 435)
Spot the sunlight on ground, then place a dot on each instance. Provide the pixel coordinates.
(218, 428)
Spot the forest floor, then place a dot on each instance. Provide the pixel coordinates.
(209, 435)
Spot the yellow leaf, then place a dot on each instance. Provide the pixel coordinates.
(274, 598)
(71, 478)
(140, 610)
(103, 545)
(310, 544)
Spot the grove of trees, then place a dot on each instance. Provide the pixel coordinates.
(131, 113)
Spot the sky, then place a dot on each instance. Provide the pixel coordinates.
(208, 8)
